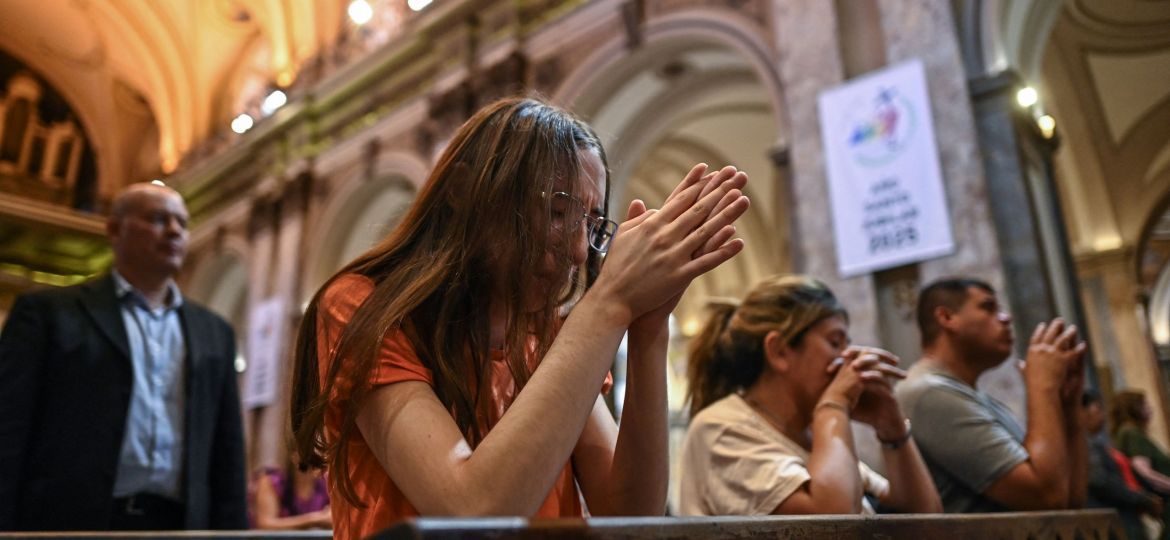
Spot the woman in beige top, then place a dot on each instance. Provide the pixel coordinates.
(774, 383)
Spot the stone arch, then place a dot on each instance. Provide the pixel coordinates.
(995, 35)
(699, 50)
(220, 282)
(1151, 267)
(597, 71)
(363, 208)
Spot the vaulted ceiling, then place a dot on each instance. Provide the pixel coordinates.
(1106, 79)
(149, 79)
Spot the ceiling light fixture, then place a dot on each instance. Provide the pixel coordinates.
(1027, 96)
(242, 123)
(418, 5)
(274, 101)
(360, 12)
(1047, 125)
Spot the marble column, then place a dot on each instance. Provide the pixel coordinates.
(1123, 348)
(1029, 223)
(863, 49)
(260, 243)
(809, 63)
(272, 425)
(926, 30)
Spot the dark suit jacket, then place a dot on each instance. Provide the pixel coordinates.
(65, 383)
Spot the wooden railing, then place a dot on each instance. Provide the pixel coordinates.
(1069, 525)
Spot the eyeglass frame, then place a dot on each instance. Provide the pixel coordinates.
(594, 225)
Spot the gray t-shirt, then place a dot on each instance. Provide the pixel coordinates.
(967, 438)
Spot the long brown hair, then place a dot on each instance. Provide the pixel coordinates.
(1127, 410)
(473, 237)
(728, 354)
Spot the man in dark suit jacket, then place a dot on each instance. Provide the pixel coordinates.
(118, 400)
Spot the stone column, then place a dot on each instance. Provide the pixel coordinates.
(260, 242)
(863, 49)
(926, 30)
(1007, 184)
(272, 427)
(1123, 348)
(809, 63)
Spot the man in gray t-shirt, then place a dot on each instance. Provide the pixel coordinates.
(974, 439)
(981, 459)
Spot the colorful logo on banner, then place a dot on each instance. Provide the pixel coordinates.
(885, 183)
(879, 131)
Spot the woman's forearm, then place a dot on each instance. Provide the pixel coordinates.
(911, 487)
(835, 483)
(1157, 480)
(638, 478)
(513, 468)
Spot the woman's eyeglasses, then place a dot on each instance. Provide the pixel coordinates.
(568, 213)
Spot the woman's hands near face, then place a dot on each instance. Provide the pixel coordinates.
(656, 253)
(864, 381)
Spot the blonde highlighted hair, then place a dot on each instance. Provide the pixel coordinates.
(728, 354)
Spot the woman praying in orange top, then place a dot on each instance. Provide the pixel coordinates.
(437, 373)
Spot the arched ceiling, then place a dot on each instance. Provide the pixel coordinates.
(670, 105)
(1106, 80)
(189, 61)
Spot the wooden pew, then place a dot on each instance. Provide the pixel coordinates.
(1063, 525)
(1066, 525)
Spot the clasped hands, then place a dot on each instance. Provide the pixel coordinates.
(657, 252)
(863, 381)
(1056, 357)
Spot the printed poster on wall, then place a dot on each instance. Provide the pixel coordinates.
(885, 184)
(265, 331)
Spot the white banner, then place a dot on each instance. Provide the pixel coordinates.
(265, 339)
(885, 185)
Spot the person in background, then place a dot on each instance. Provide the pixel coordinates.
(119, 408)
(773, 385)
(290, 498)
(1131, 417)
(437, 375)
(981, 459)
(1111, 482)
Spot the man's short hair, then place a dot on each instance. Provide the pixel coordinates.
(949, 293)
(125, 198)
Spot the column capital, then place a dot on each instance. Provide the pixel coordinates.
(780, 155)
(994, 85)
